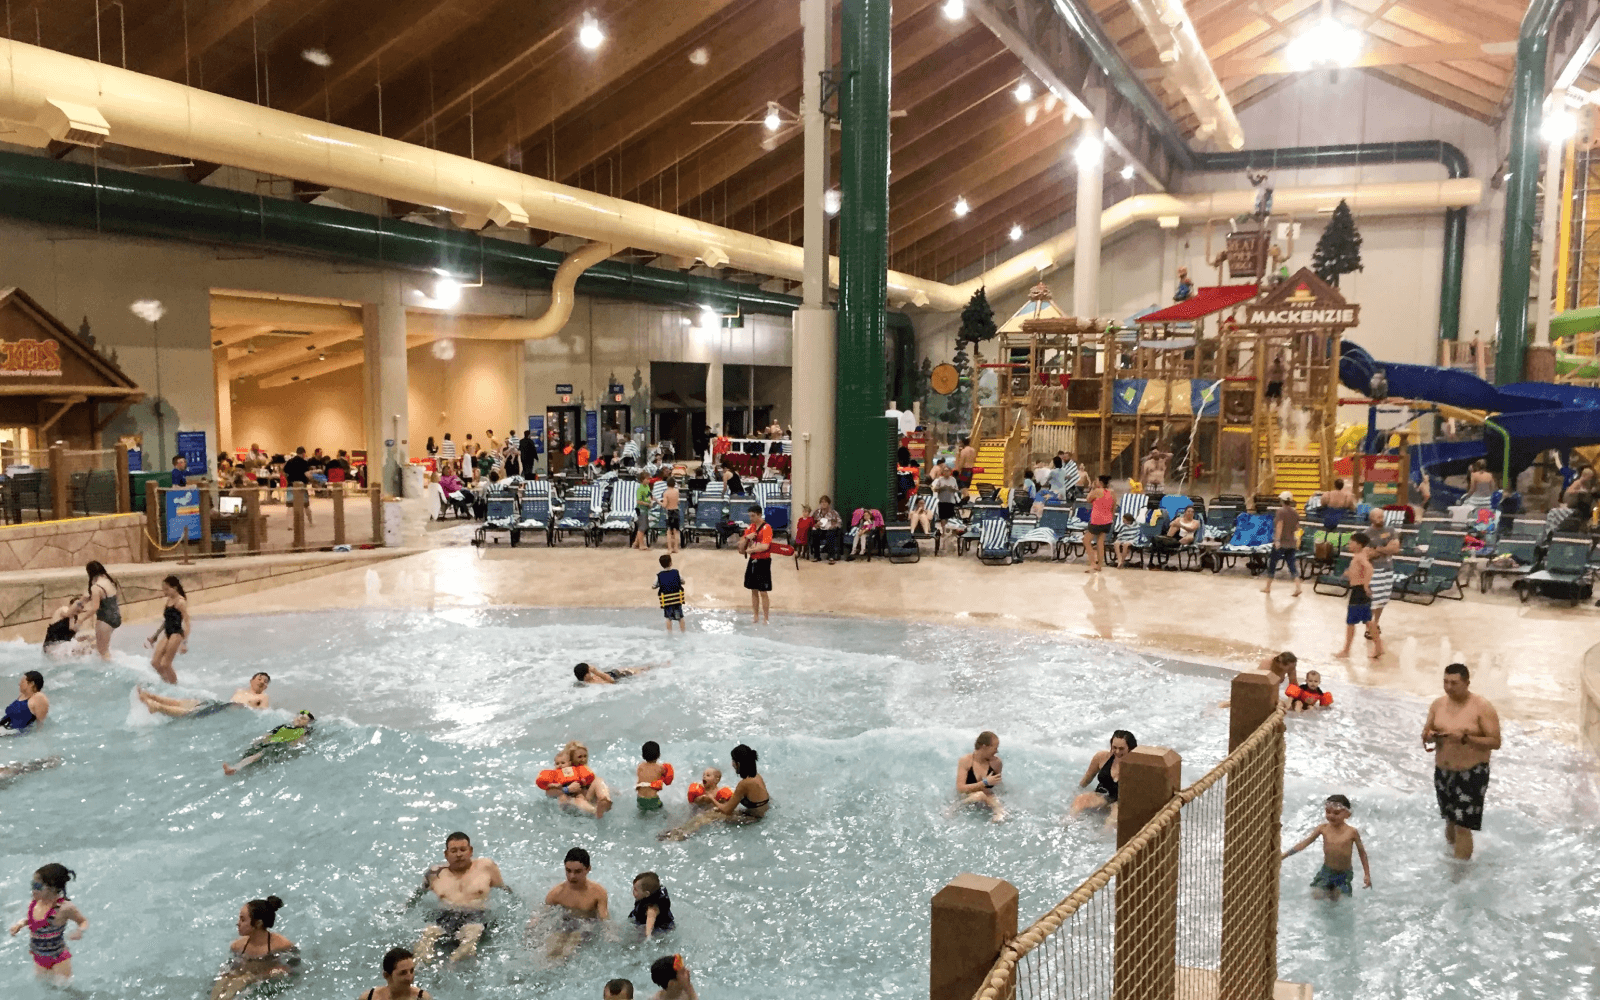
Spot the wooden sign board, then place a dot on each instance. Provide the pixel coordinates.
(1247, 253)
(1302, 301)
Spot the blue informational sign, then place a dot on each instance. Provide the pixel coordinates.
(192, 446)
(536, 428)
(183, 515)
(591, 426)
(136, 460)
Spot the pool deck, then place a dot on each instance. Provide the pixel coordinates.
(1526, 659)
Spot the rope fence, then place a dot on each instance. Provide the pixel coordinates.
(206, 521)
(1191, 911)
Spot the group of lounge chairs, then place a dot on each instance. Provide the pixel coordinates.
(596, 511)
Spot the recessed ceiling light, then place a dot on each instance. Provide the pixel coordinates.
(317, 57)
(1016, 233)
(831, 201)
(700, 56)
(1089, 151)
(1325, 43)
(954, 10)
(1023, 93)
(962, 208)
(590, 36)
(773, 121)
(1127, 172)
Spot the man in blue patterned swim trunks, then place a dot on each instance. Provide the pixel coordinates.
(1462, 730)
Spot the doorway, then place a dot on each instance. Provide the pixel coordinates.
(615, 425)
(563, 426)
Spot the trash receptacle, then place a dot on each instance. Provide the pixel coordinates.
(414, 480)
(391, 522)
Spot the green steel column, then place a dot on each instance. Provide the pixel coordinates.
(864, 472)
(1522, 184)
(1455, 246)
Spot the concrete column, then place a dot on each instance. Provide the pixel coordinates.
(973, 917)
(1086, 257)
(1541, 362)
(814, 355)
(714, 380)
(221, 371)
(383, 339)
(1147, 896)
(1251, 830)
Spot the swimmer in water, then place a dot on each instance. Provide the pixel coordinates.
(254, 696)
(172, 637)
(399, 979)
(595, 799)
(748, 803)
(652, 907)
(672, 975)
(580, 901)
(49, 911)
(1337, 874)
(650, 777)
(978, 774)
(1105, 770)
(593, 675)
(31, 705)
(68, 634)
(462, 886)
(276, 742)
(258, 954)
(9, 771)
(703, 795)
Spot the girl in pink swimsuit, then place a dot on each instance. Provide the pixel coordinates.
(48, 913)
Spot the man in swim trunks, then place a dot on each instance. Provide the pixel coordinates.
(592, 675)
(580, 900)
(1462, 730)
(462, 887)
(1359, 612)
(276, 742)
(254, 696)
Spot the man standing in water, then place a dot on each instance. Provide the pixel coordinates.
(1461, 731)
(462, 887)
(580, 902)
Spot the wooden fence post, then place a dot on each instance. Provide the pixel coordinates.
(205, 521)
(252, 519)
(376, 492)
(1251, 831)
(338, 513)
(60, 483)
(297, 498)
(152, 518)
(1146, 948)
(973, 917)
(124, 486)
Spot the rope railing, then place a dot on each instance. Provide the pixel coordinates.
(1084, 960)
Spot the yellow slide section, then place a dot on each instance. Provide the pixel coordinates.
(1299, 474)
(991, 464)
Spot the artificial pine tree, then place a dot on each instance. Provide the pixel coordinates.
(977, 320)
(1339, 250)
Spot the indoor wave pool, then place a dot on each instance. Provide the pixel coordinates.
(433, 722)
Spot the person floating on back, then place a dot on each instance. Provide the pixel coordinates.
(671, 592)
(277, 742)
(1337, 874)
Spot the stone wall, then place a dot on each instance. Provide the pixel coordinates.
(111, 538)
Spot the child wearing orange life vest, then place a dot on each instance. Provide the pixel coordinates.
(708, 791)
(1304, 697)
(652, 776)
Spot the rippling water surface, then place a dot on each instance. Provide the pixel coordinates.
(434, 722)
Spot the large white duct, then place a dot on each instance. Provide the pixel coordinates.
(1185, 64)
(165, 117)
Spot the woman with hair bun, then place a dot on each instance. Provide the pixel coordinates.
(49, 911)
(749, 802)
(258, 954)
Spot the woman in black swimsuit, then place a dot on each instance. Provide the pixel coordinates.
(749, 802)
(399, 979)
(172, 637)
(1105, 770)
(978, 774)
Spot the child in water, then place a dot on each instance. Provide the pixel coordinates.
(651, 776)
(672, 593)
(49, 911)
(707, 792)
(1337, 874)
(652, 908)
(1307, 696)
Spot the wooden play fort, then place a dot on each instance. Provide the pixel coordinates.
(1239, 384)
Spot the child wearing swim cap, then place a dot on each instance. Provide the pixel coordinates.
(1337, 874)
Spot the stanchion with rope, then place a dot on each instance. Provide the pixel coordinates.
(184, 560)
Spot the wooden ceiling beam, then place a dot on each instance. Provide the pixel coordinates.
(934, 193)
(934, 121)
(1388, 55)
(1015, 205)
(918, 39)
(158, 47)
(538, 99)
(954, 249)
(673, 85)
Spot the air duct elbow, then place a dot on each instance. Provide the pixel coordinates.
(78, 124)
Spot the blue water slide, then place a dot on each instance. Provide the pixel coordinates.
(1538, 416)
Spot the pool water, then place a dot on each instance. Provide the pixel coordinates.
(431, 722)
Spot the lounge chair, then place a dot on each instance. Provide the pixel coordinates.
(1513, 557)
(1424, 579)
(900, 545)
(980, 514)
(1334, 580)
(870, 521)
(710, 514)
(1250, 540)
(994, 542)
(1052, 530)
(501, 519)
(620, 513)
(736, 519)
(533, 514)
(929, 503)
(1566, 574)
(577, 513)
